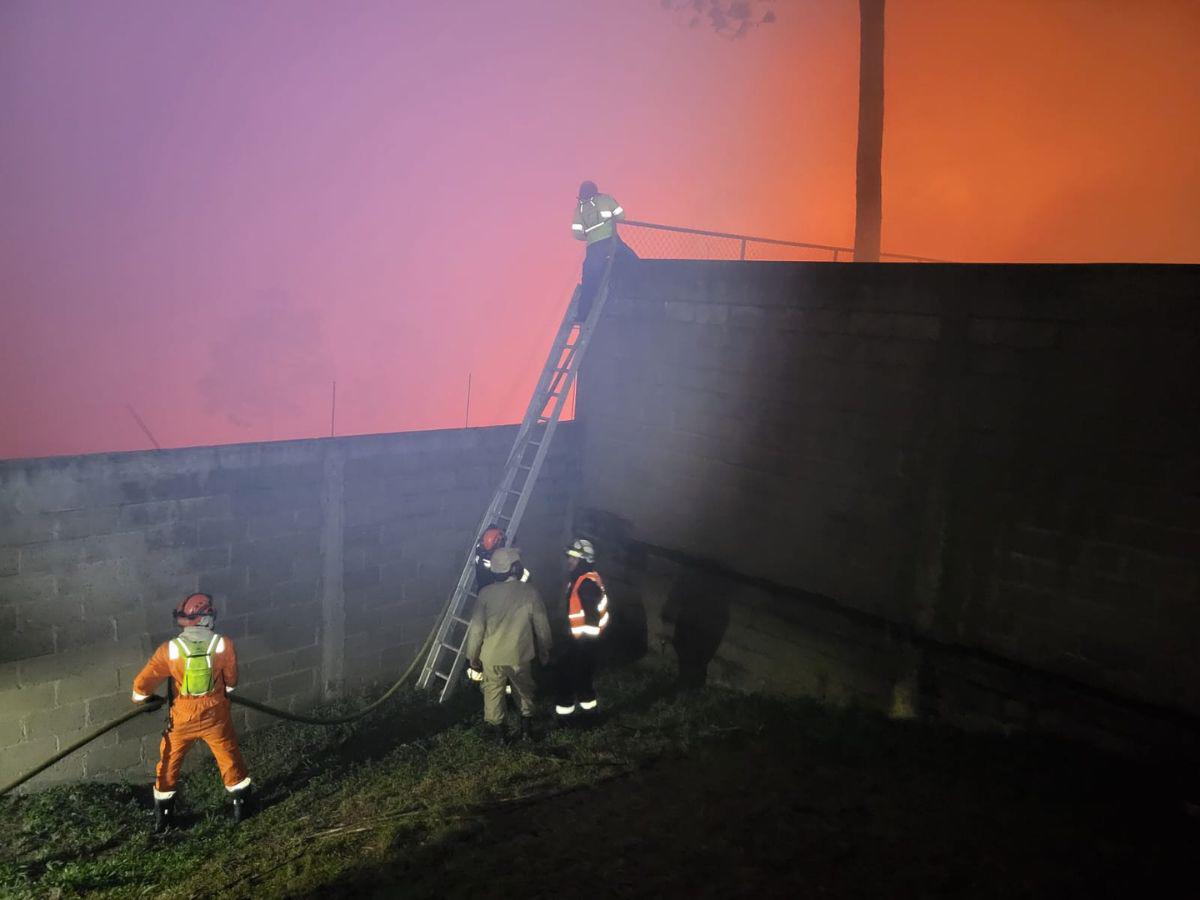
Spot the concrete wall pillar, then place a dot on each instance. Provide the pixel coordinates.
(333, 606)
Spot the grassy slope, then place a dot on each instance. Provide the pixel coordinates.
(707, 794)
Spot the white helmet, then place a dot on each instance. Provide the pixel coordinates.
(581, 548)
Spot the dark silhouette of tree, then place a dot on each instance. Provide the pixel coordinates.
(735, 18)
(729, 18)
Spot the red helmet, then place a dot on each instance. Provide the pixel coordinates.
(493, 537)
(193, 609)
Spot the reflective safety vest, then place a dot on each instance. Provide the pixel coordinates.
(197, 664)
(577, 618)
(594, 218)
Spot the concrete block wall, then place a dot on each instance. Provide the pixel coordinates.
(994, 457)
(328, 559)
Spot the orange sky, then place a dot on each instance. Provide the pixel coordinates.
(213, 210)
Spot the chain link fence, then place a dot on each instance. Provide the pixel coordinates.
(651, 241)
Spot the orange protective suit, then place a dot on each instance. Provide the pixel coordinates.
(194, 718)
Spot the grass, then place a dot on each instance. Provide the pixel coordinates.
(710, 793)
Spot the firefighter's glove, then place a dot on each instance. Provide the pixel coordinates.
(475, 671)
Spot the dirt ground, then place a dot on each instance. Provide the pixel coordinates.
(867, 809)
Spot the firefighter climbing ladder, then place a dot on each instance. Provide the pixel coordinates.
(446, 659)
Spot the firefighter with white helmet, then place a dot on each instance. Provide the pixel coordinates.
(587, 619)
(200, 668)
(509, 629)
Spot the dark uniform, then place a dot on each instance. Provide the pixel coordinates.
(587, 618)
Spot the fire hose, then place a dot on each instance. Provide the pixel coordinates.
(156, 702)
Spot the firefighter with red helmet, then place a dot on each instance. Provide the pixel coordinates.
(587, 618)
(200, 669)
(492, 539)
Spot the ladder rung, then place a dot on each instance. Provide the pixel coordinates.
(460, 620)
(441, 675)
(455, 647)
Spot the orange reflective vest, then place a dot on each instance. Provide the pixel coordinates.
(577, 618)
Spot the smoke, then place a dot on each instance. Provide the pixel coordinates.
(268, 365)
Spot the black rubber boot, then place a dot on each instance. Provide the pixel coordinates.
(498, 734)
(241, 805)
(164, 815)
(527, 734)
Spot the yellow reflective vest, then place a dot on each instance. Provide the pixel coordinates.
(594, 218)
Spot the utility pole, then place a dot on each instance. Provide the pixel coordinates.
(467, 417)
(868, 213)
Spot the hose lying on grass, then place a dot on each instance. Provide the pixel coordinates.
(155, 703)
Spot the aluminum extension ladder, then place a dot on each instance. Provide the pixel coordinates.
(443, 666)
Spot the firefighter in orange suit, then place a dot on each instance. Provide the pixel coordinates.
(587, 617)
(200, 668)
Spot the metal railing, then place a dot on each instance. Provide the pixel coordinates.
(652, 241)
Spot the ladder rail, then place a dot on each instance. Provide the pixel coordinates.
(557, 379)
(548, 371)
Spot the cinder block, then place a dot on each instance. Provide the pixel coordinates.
(197, 509)
(224, 584)
(108, 707)
(101, 680)
(916, 328)
(295, 592)
(171, 535)
(12, 731)
(368, 577)
(48, 722)
(75, 662)
(47, 614)
(20, 758)
(276, 640)
(291, 684)
(117, 758)
(101, 607)
(74, 635)
(52, 557)
(113, 576)
(214, 532)
(26, 528)
(361, 536)
(75, 523)
(27, 644)
(207, 559)
(139, 516)
(309, 566)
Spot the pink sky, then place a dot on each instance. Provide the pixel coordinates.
(211, 211)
